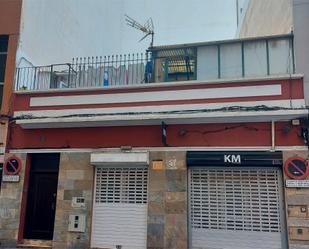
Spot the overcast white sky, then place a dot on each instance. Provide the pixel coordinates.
(57, 30)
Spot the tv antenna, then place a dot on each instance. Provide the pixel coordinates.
(147, 28)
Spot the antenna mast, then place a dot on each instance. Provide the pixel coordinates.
(147, 28)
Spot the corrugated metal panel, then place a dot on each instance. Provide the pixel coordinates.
(235, 208)
(119, 224)
(120, 208)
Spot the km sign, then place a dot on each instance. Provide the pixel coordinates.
(232, 159)
(239, 158)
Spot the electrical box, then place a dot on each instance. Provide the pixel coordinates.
(78, 202)
(299, 233)
(298, 211)
(77, 223)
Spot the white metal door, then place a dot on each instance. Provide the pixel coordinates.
(236, 208)
(120, 208)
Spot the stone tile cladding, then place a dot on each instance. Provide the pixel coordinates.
(76, 179)
(294, 198)
(167, 202)
(10, 205)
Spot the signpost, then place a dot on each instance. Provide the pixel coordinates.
(296, 168)
(10, 178)
(297, 183)
(12, 166)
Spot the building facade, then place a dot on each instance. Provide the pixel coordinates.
(9, 34)
(200, 145)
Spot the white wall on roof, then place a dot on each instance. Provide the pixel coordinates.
(266, 17)
(55, 31)
(301, 41)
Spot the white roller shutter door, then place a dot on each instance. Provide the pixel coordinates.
(120, 208)
(236, 208)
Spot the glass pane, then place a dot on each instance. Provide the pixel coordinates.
(280, 57)
(4, 43)
(207, 63)
(230, 60)
(1, 95)
(255, 58)
(2, 66)
(181, 68)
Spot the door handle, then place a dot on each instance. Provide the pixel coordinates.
(53, 205)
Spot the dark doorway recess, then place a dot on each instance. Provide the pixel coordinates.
(42, 195)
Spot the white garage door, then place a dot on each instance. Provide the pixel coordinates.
(236, 208)
(120, 208)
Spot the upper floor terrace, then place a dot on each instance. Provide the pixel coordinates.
(247, 80)
(205, 61)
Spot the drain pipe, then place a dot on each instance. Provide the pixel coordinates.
(273, 131)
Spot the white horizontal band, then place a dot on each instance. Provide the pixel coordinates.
(153, 96)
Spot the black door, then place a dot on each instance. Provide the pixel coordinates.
(42, 193)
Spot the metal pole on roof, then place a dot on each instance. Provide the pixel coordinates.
(237, 14)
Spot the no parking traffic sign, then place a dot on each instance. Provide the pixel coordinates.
(296, 168)
(12, 166)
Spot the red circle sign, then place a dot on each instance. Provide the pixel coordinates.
(12, 166)
(296, 168)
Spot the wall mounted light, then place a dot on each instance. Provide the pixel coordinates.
(164, 133)
(182, 132)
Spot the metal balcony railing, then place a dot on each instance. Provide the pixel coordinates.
(100, 71)
(206, 61)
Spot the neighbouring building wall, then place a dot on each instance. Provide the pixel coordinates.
(301, 41)
(9, 25)
(10, 11)
(264, 17)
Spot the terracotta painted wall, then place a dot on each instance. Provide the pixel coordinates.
(10, 12)
(246, 134)
(10, 16)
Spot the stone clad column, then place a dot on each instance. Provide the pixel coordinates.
(297, 208)
(75, 180)
(167, 201)
(10, 206)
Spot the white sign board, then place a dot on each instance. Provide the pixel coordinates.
(10, 178)
(297, 183)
